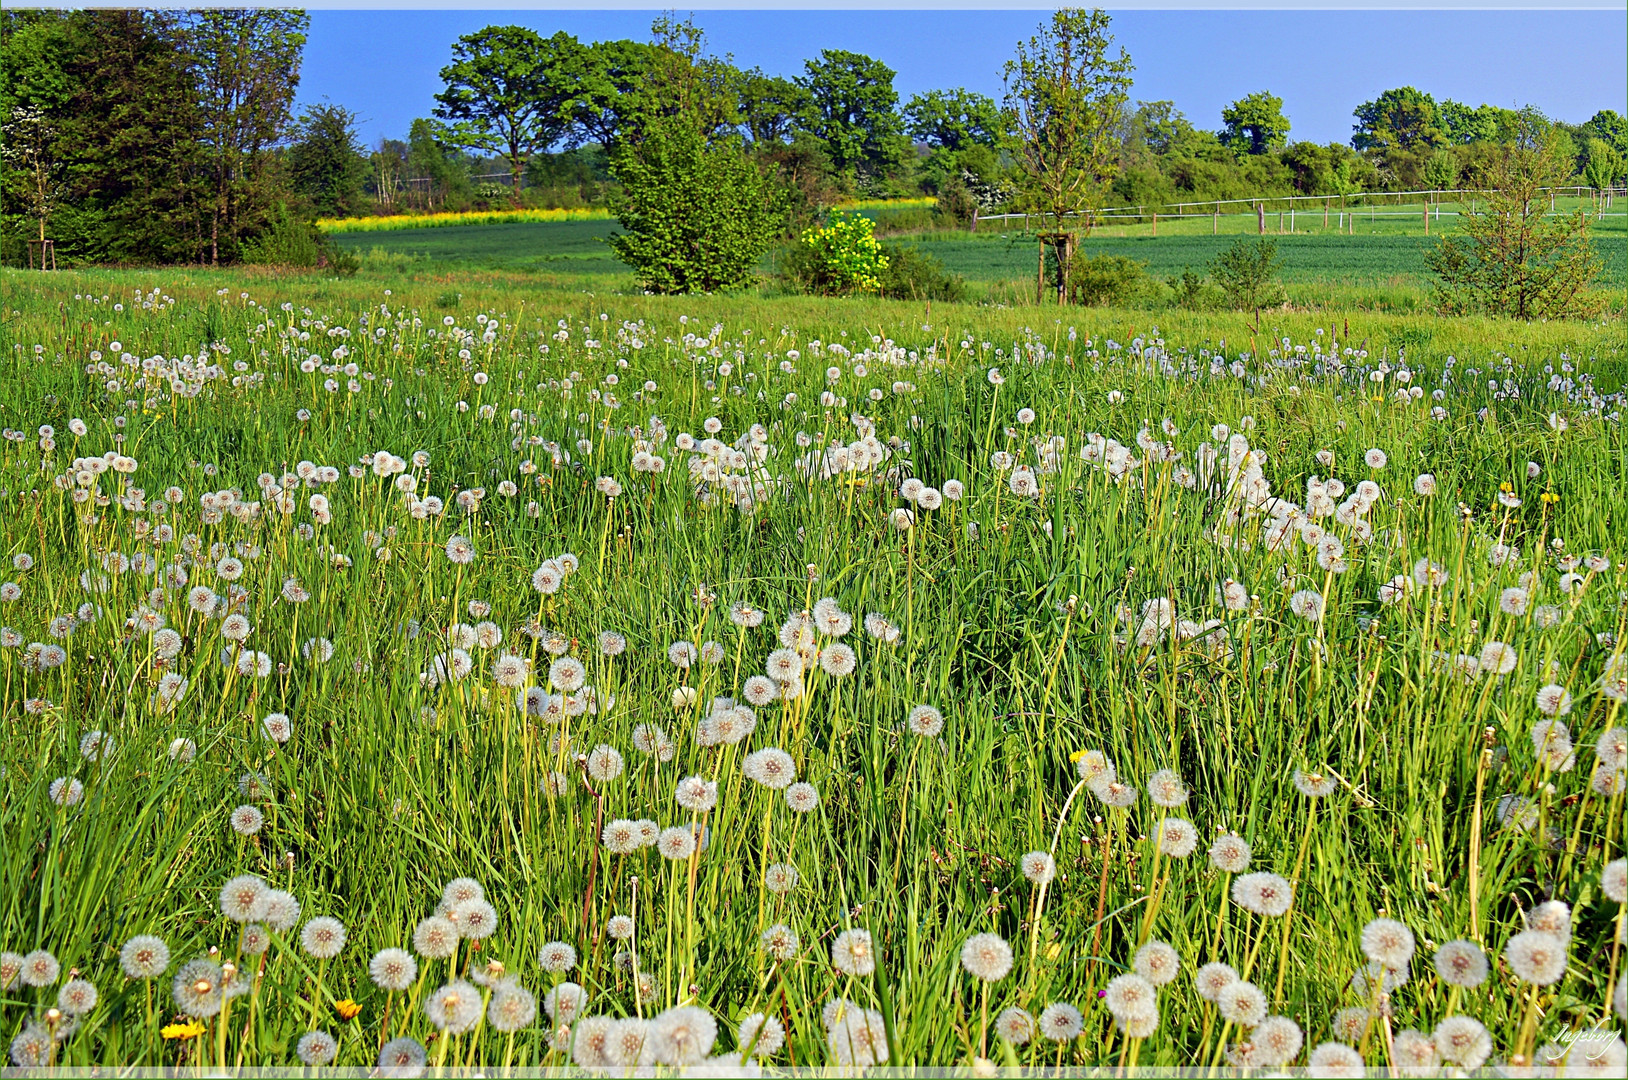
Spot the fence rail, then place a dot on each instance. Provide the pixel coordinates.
(1346, 205)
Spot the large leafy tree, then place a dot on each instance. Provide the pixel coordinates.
(608, 80)
(125, 169)
(509, 92)
(246, 65)
(1463, 124)
(1066, 92)
(620, 87)
(326, 164)
(954, 119)
(697, 211)
(1255, 124)
(1402, 119)
(853, 110)
(770, 107)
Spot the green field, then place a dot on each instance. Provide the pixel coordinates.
(1383, 269)
(556, 247)
(349, 630)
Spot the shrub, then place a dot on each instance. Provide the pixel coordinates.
(839, 258)
(956, 205)
(697, 215)
(1192, 291)
(290, 240)
(1106, 280)
(1247, 275)
(1508, 258)
(913, 274)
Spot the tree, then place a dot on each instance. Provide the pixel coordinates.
(30, 152)
(953, 119)
(1602, 165)
(1464, 125)
(1508, 257)
(246, 64)
(1610, 126)
(1255, 124)
(770, 107)
(427, 160)
(507, 93)
(852, 108)
(1404, 118)
(1247, 274)
(387, 169)
(697, 215)
(325, 163)
(1161, 129)
(1322, 170)
(1065, 98)
(1442, 170)
(117, 88)
(684, 82)
(608, 100)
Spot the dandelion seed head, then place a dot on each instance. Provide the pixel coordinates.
(853, 954)
(316, 1048)
(1212, 978)
(1387, 943)
(1157, 962)
(1241, 1003)
(1038, 866)
(558, 957)
(392, 970)
(144, 956)
(987, 957)
(1061, 1022)
(1461, 963)
(1463, 1040)
(323, 937)
(1537, 957)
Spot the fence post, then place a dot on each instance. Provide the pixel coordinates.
(1215, 222)
(1040, 275)
(1260, 217)
(1325, 212)
(1427, 216)
(1155, 223)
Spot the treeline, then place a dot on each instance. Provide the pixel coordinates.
(840, 130)
(149, 136)
(154, 136)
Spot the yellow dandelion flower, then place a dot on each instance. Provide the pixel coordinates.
(347, 1009)
(189, 1030)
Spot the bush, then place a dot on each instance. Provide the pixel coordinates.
(1193, 291)
(1107, 280)
(290, 240)
(1247, 275)
(697, 216)
(956, 205)
(913, 274)
(838, 259)
(1508, 257)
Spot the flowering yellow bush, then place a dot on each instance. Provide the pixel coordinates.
(842, 257)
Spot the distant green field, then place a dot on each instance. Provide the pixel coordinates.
(569, 247)
(1378, 261)
(1349, 260)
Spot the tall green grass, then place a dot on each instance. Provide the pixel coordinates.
(1022, 617)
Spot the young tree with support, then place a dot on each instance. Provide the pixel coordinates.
(1065, 99)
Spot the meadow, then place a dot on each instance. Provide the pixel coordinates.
(500, 669)
(1379, 269)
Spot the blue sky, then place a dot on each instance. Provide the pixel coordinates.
(384, 64)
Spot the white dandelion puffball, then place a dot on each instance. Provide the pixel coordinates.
(987, 957)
